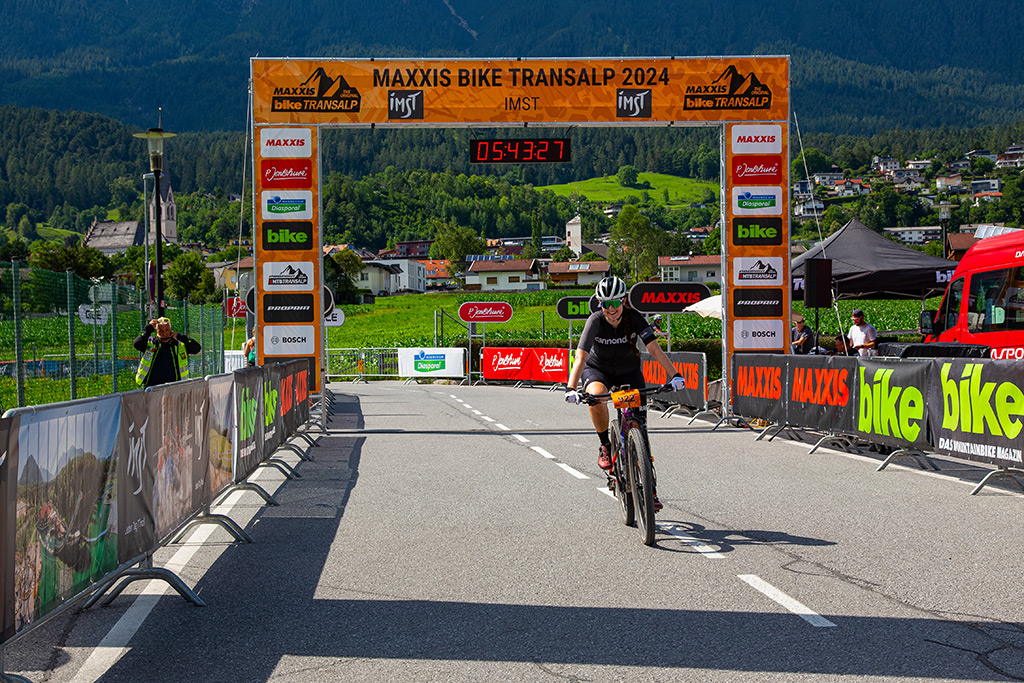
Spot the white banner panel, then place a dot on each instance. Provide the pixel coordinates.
(764, 138)
(289, 340)
(759, 334)
(286, 143)
(431, 363)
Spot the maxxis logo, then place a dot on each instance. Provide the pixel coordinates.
(756, 139)
(294, 143)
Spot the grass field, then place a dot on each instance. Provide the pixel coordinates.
(45, 232)
(681, 191)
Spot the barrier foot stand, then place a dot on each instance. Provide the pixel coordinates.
(411, 380)
(285, 468)
(771, 426)
(788, 429)
(307, 438)
(555, 387)
(247, 486)
(734, 421)
(145, 570)
(294, 449)
(923, 461)
(1001, 473)
(359, 380)
(224, 521)
(712, 413)
(843, 441)
(5, 677)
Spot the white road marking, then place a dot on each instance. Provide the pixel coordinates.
(698, 545)
(794, 606)
(489, 419)
(542, 452)
(604, 490)
(575, 473)
(501, 426)
(521, 438)
(478, 412)
(454, 396)
(466, 405)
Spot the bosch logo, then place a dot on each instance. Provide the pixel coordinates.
(763, 333)
(293, 340)
(275, 340)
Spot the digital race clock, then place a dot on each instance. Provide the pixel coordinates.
(534, 151)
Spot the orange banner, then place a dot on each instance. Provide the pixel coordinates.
(506, 91)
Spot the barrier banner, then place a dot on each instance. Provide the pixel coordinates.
(182, 460)
(506, 363)
(66, 535)
(273, 424)
(7, 528)
(248, 416)
(693, 368)
(549, 365)
(759, 386)
(139, 447)
(220, 431)
(891, 407)
(820, 392)
(431, 362)
(977, 409)
(289, 395)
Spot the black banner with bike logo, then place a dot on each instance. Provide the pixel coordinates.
(249, 421)
(759, 386)
(139, 448)
(273, 423)
(976, 409)
(820, 392)
(891, 401)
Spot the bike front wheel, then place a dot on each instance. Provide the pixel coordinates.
(642, 484)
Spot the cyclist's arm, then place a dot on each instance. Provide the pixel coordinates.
(577, 368)
(659, 355)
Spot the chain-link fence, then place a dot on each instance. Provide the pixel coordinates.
(64, 337)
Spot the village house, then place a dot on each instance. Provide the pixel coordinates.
(504, 275)
(916, 235)
(809, 209)
(581, 273)
(692, 268)
(949, 183)
(803, 189)
(918, 164)
(884, 164)
(829, 178)
(852, 187)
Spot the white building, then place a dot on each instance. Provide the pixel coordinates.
(413, 275)
(919, 164)
(380, 277)
(810, 208)
(505, 276)
(692, 268)
(884, 164)
(574, 235)
(919, 235)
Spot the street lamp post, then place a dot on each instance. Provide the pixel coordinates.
(145, 258)
(154, 138)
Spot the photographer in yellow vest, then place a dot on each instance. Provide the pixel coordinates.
(164, 355)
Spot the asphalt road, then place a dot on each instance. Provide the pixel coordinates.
(464, 533)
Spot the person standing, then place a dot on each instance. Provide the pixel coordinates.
(164, 355)
(863, 336)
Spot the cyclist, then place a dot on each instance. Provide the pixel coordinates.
(607, 356)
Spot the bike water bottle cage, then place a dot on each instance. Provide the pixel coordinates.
(629, 398)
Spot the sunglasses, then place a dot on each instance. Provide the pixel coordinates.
(614, 303)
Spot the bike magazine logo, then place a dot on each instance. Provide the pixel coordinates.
(631, 103)
(287, 235)
(731, 90)
(320, 92)
(289, 340)
(757, 232)
(756, 201)
(286, 173)
(757, 272)
(297, 204)
(762, 138)
(752, 335)
(750, 169)
(756, 303)
(287, 277)
(405, 104)
(288, 308)
(291, 143)
(428, 362)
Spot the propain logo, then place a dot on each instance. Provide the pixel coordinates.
(320, 92)
(287, 236)
(731, 90)
(756, 303)
(757, 170)
(287, 203)
(757, 232)
(405, 104)
(293, 143)
(763, 138)
(286, 173)
(287, 308)
(631, 103)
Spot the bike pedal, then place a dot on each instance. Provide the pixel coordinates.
(611, 483)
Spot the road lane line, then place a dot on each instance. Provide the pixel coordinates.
(605, 491)
(575, 473)
(489, 419)
(454, 396)
(794, 606)
(542, 452)
(698, 545)
(521, 438)
(502, 427)
(466, 405)
(478, 412)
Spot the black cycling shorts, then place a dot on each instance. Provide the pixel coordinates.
(635, 380)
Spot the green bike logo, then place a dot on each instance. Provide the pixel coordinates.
(972, 406)
(889, 411)
(269, 404)
(247, 415)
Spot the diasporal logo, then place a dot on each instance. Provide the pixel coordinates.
(287, 235)
(731, 90)
(428, 362)
(318, 93)
(757, 201)
(405, 104)
(749, 200)
(296, 204)
(285, 205)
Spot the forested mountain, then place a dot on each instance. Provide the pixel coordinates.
(857, 67)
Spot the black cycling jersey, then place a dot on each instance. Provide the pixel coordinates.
(609, 347)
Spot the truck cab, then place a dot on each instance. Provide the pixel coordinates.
(984, 302)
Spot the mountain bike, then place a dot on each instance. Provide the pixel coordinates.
(632, 475)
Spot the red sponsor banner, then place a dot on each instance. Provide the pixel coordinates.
(234, 307)
(550, 365)
(757, 169)
(505, 363)
(287, 173)
(485, 312)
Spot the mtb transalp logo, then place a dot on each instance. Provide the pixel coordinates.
(731, 90)
(318, 93)
(428, 362)
(289, 276)
(759, 271)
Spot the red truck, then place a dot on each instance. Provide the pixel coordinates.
(984, 302)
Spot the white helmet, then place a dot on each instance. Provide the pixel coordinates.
(610, 288)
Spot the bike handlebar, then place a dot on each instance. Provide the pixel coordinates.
(592, 399)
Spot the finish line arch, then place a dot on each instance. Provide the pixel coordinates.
(747, 97)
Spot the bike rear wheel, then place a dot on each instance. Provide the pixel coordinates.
(619, 475)
(642, 484)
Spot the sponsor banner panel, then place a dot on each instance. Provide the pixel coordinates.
(502, 90)
(66, 480)
(508, 363)
(756, 201)
(576, 307)
(273, 422)
(762, 138)
(289, 308)
(8, 510)
(765, 271)
(976, 409)
(286, 204)
(220, 432)
(485, 312)
(757, 303)
(431, 362)
(289, 340)
(693, 368)
(286, 143)
(820, 392)
(752, 335)
(294, 394)
(757, 232)
(756, 169)
(666, 297)
(248, 418)
(892, 401)
(550, 365)
(138, 457)
(288, 276)
(759, 386)
(182, 457)
(287, 174)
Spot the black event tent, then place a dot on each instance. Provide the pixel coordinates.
(866, 265)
